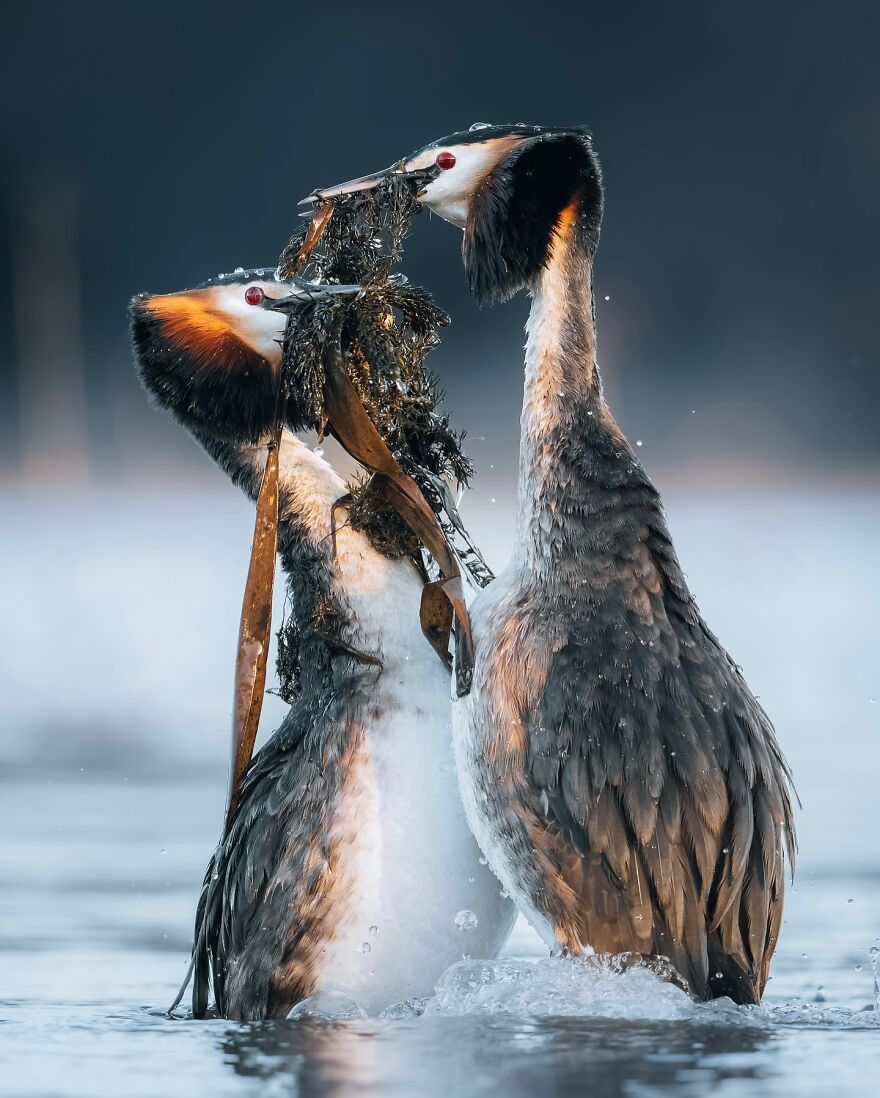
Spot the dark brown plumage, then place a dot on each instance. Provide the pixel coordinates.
(632, 782)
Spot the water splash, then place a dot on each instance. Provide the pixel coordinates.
(614, 988)
(564, 987)
(412, 1008)
(328, 1006)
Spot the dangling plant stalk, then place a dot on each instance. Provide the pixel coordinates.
(256, 609)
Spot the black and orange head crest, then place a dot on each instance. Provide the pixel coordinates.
(211, 355)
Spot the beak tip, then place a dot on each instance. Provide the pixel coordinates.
(363, 183)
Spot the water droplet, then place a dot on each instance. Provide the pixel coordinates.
(471, 880)
(607, 297)
(850, 900)
(492, 500)
(319, 450)
(484, 861)
(638, 442)
(163, 851)
(466, 920)
(374, 930)
(365, 947)
(480, 126)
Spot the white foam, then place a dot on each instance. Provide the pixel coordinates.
(412, 1008)
(607, 987)
(560, 987)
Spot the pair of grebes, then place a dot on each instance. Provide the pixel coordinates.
(609, 775)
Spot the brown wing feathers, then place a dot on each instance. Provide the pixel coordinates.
(666, 796)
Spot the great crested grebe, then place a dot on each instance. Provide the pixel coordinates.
(349, 865)
(622, 780)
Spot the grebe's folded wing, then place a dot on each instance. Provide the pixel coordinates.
(660, 785)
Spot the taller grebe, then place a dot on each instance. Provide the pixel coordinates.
(623, 782)
(349, 861)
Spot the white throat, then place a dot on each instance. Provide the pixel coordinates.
(560, 365)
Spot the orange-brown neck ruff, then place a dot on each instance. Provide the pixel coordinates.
(210, 359)
(189, 321)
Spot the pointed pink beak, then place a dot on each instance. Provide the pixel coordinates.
(362, 183)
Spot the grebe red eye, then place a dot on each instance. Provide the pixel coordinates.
(253, 295)
(445, 160)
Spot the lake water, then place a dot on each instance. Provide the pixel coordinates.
(114, 688)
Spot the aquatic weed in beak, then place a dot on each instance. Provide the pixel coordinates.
(385, 333)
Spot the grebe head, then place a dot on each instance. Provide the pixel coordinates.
(211, 355)
(506, 187)
(220, 323)
(215, 346)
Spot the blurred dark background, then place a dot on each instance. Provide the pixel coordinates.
(150, 145)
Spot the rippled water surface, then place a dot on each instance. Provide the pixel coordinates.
(111, 792)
